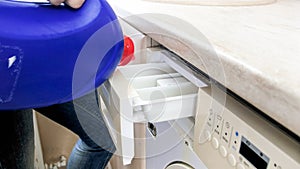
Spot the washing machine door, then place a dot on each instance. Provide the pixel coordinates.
(179, 165)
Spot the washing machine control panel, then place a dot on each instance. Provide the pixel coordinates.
(230, 135)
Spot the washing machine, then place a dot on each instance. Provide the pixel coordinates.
(171, 148)
(154, 90)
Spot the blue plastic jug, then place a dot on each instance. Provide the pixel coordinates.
(51, 55)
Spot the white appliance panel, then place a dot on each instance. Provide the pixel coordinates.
(239, 138)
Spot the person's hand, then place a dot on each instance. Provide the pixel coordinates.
(72, 3)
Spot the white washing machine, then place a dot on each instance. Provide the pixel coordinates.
(153, 88)
(171, 148)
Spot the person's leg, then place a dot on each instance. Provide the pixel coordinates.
(17, 139)
(84, 156)
(83, 117)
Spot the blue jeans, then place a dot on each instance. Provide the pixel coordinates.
(82, 116)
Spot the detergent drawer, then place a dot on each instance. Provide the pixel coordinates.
(153, 92)
(156, 89)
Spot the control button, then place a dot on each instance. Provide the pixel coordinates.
(240, 166)
(223, 151)
(215, 143)
(232, 160)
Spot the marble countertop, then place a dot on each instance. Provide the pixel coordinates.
(252, 50)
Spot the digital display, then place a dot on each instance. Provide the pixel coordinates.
(253, 154)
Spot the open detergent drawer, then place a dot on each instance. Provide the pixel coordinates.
(155, 90)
